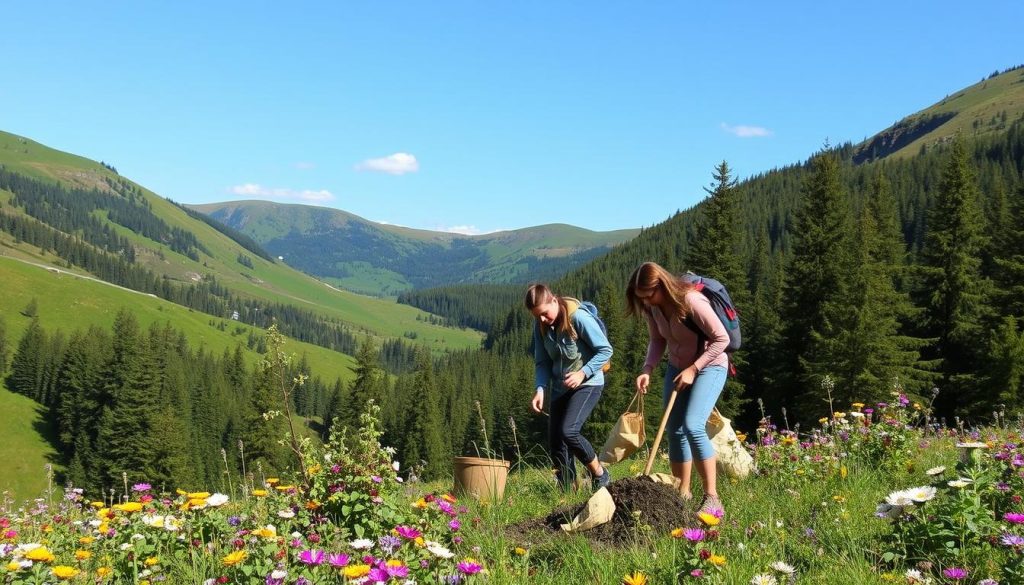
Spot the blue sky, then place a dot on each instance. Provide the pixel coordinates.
(478, 116)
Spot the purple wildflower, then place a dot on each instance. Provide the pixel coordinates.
(454, 525)
(398, 570)
(376, 478)
(141, 487)
(312, 557)
(337, 559)
(1014, 517)
(378, 575)
(694, 534)
(1012, 540)
(955, 573)
(234, 520)
(697, 573)
(408, 532)
(469, 567)
(389, 543)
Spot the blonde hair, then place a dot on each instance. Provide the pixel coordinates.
(538, 294)
(650, 276)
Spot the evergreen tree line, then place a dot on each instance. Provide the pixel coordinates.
(144, 403)
(71, 210)
(477, 306)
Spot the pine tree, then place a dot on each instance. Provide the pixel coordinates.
(1009, 257)
(424, 441)
(264, 424)
(714, 251)
(1006, 364)
(816, 275)
(762, 329)
(26, 375)
(367, 385)
(953, 289)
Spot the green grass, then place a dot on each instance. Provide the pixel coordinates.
(24, 450)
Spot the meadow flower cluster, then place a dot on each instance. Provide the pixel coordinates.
(793, 459)
(346, 519)
(694, 556)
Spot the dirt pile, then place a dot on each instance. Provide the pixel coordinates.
(639, 503)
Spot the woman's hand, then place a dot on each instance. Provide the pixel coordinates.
(538, 402)
(642, 382)
(574, 379)
(685, 378)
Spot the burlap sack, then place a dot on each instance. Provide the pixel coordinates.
(599, 509)
(733, 458)
(627, 435)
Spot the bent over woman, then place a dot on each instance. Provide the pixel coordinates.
(569, 350)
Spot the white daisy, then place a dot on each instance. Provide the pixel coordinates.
(439, 551)
(921, 494)
(217, 500)
(784, 568)
(959, 483)
(286, 513)
(278, 574)
(764, 579)
(361, 544)
(899, 498)
(936, 470)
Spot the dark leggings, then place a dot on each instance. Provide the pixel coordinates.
(569, 410)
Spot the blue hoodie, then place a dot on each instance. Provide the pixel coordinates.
(556, 353)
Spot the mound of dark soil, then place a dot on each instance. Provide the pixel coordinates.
(639, 503)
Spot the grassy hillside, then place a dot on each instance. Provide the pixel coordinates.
(24, 448)
(270, 281)
(375, 258)
(986, 107)
(69, 303)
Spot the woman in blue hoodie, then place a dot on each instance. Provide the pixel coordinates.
(569, 350)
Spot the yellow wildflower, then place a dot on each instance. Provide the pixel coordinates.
(234, 558)
(822, 420)
(151, 561)
(858, 405)
(41, 554)
(104, 571)
(312, 505)
(717, 560)
(181, 492)
(266, 532)
(709, 519)
(13, 566)
(420, 543)
(314, 469)
(420, 503)
(520, 551)
(102, 513)
(273, 481)
(356, 571)
(81, 555)
(284, 488)
(843, 472)
(104, 527)
(129, 507)
(838, 414)
(839, 499)
(64, 572)
(741, 437)
(197, 495)
(86, 540)
(449, 498)
(788, 440)
(259, 493)
(677, 533)
(97, 505)
(637, 578)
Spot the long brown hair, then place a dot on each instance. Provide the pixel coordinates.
(538, 294)
(650, 276)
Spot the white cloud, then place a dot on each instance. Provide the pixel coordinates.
(399, 163)
(747, 131)
(304, 166)
(466, 230)
(256, 190)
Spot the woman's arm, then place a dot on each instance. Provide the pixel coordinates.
(655, 344)
(704, 316)
(541, 360)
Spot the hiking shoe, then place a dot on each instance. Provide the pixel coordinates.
(603, 480)
(712, 505)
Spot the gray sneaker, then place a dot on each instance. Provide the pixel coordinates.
(603, 480)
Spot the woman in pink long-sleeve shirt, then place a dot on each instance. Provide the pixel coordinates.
(682, 320)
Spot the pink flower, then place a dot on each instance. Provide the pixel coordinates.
(469, 567)
(955, 573)
(311, 557)
(454, 525)
(1014, 517)
(337, 559)
(694, 534)
(408, 532)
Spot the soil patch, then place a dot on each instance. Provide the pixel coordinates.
(639, 503)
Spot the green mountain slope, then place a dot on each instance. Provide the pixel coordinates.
(374, 258)
(219, 256)
(987, 107)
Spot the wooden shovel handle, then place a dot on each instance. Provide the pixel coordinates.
(661, 431)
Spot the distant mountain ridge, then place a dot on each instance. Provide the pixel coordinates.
(375, 258)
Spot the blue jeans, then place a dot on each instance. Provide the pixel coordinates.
(569, 410)
(686, 432)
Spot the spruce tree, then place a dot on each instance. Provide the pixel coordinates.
(816, 275)
(1009, 257)
(953, 289)
(762, 329)
(424, 441)
(26, 375)
(1006, 364)
(714, 251)
(367, 385)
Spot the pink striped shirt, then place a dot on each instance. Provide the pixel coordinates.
(682, 341)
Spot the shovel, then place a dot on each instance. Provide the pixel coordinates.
(661, 430)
